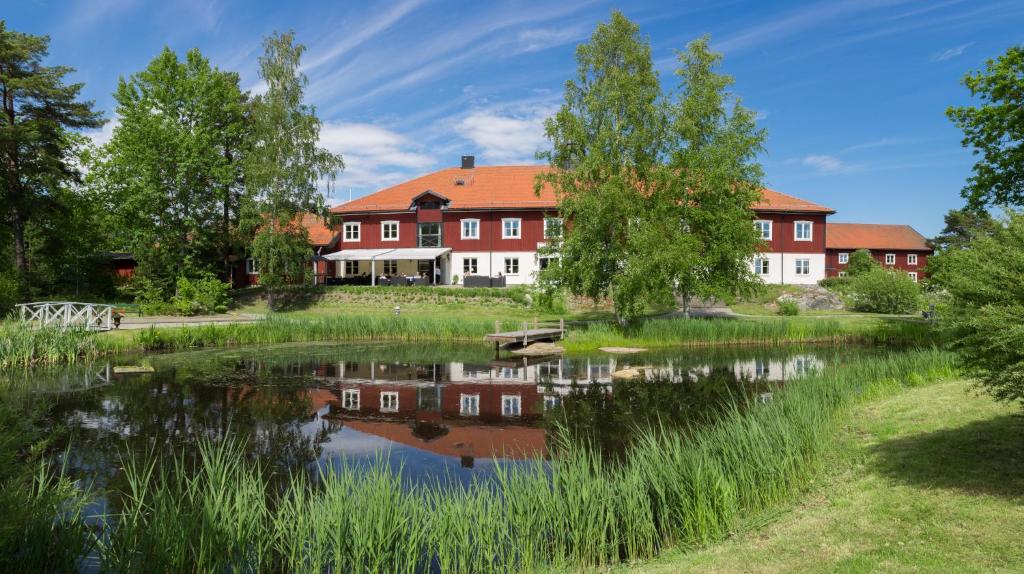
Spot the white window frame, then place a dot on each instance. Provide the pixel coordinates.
(469, 404)
(768, 222)
(390, 395)
(547, 223)
(475, 265)
(518, 228)
(509, 401)
(890, 259)
(913, 276)
(842, 273)
(346, 399)
(911, 258)
(844, 258)
(384, 225)
(509, 260)
(252, 266)
(796, 230)
(762, 266)
(804, 263)
(355, 264)
(551, 402)
(393, 264)
(356, 229)
(462, 227)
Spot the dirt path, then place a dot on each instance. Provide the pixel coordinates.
(132, 323)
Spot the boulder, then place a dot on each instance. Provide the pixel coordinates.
(814, 298)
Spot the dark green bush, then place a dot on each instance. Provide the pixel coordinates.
(201, 296)
(885, 291)
(8, 294)
(861, 262)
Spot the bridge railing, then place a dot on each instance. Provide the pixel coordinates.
(68, 315)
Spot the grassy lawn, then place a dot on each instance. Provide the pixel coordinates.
(930, 480)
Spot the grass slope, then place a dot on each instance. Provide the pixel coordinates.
(929, 480)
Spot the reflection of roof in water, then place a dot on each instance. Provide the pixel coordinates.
(478, 441)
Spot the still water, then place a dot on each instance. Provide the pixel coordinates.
(438, 413)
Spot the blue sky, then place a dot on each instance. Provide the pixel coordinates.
(852, 93)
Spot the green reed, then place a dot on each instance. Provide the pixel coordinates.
(722, 332)
(576, 511)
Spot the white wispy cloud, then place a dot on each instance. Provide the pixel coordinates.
(951, 53)
(366, 30)
(419, 59)
(539, 39)
(375, 156)
(824, 164)
(883, 142)
(504, 135)
(796, 21)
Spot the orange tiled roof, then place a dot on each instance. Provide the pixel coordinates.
(319, 233)
(772, 200)
(487, 187)
(873, 236)
(507, 187)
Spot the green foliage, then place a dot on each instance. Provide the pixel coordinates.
(44, 527)
(789, 308)
(986, 311)
(658, 190)
(885, 291)
(861, 262)
(38, 113)
(837, 284)
(995, 129)
(8, 294)
(201, 297)
(24, 346)
(284, 166)
(963, 225)
(724, 332)
(170, 175)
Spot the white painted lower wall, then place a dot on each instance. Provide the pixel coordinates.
(490, 263)
(782, 268)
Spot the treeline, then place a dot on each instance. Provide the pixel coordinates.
(198, 173)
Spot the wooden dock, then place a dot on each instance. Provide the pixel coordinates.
(526, 335)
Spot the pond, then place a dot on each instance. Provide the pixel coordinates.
(438, 413)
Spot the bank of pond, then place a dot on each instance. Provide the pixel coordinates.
(380, 457)
(22, 346)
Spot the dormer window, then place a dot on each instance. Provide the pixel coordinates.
(430, 205)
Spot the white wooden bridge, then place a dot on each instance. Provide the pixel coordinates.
(68, 315)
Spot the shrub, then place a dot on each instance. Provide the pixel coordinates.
(201, 297)
(885, 291)
(837, 284)
(788, 308)
(861, 262)
(8, 294)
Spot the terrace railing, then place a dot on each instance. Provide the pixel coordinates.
(68, 315)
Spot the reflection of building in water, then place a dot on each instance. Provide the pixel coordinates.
(486, 409)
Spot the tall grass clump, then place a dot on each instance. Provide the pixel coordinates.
(577, 511)
(719, 332)
(44, 527)
(24, 346)
(336, 328)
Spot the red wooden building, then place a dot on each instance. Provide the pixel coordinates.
(894, 246)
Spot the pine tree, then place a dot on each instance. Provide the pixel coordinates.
(38, 110)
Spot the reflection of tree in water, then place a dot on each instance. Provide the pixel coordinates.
(168, 413)
(607, 416)
(428, 431)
